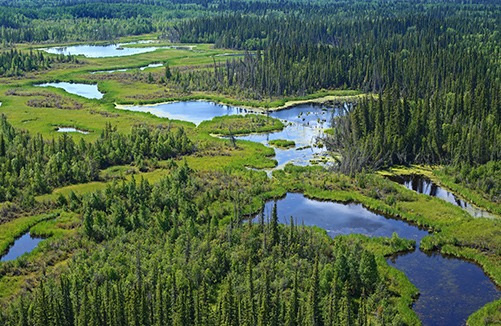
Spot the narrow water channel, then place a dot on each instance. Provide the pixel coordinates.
(423, 185)
(151, 65)
(451, 289)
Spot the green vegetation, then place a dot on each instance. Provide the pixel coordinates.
(241, 124)
(13, 229)
(282, 143)
(147, 217)
(479, 184)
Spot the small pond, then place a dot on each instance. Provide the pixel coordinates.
(151, 65)
(451, 289)
(85, 90)
(104, 51)
(23, 244)
(71, 129)
(424, 185)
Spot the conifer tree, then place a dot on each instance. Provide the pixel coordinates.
(43, 312)
(274, 237)
(293, 307)
(264, 310)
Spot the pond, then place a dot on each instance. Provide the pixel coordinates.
(85, 90)
(105, 51)
(424, 185)
(451, 289)
(151, 65)
(192, 111)
(71, 129)
(23, 244)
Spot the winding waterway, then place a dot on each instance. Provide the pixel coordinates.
(451, 289)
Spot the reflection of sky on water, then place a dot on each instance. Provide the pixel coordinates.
(192, 111)
(21, 245)
(339, 218)
(302, 135)
(451, 289)
(104, 51)
(84, 90)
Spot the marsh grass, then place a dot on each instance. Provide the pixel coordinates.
(282, 143)
(241, 124)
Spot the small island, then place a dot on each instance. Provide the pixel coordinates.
(282, 143)
(241, 124)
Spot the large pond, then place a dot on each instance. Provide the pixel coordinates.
(192, 111)
(424, 185)
(23, 244)
(451, 289)
(85, 90)
(105, 51)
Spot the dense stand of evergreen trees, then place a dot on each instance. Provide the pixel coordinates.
(32, 165)
(15, 63)
(165, 262)
(436, 80)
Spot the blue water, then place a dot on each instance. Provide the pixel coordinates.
(193, 111)
(424, 185)
(104, 51)
(304, 124)
(24, 244)
(451, 289)
(84, 90)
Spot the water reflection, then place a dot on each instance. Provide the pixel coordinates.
(85, 90)
(451, 289)
(106, 51)
(71, 129)
(23, 244)
(423, 185)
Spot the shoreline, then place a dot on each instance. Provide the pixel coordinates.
(338, 99)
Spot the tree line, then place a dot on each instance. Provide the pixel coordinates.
(15, 63)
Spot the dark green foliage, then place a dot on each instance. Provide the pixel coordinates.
(15, 63)
(145, 277)
(34, 165)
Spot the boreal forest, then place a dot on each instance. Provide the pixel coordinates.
(268, 162)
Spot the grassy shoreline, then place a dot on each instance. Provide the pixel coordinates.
(261, 107)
